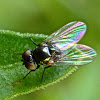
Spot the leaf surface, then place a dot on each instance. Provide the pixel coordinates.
(12, 71)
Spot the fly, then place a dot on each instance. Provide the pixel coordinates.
(60, 48)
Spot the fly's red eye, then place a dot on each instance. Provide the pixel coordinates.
(27, 53)
(30, 66)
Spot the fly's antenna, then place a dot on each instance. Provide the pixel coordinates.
(33, 41)
(17, 53)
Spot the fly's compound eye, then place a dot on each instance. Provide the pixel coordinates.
(27, 53)
(30, 66)
(27, 57)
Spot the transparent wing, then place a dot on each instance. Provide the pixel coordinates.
(65, 39)
(70, 33)
(78, 55)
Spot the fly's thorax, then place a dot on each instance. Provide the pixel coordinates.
(41, 53)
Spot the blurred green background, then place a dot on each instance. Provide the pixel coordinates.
(46, 16)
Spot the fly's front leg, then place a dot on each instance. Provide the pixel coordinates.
(31, 71)
(51, 60)
(34, 42)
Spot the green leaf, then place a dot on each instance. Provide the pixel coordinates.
(12, 71)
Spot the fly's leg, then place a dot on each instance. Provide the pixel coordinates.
(34, 42)
(21, 53)
(49, 62)
(31, 71)
(28, 73)
(44, 71)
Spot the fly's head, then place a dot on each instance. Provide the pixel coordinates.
(27, 60)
